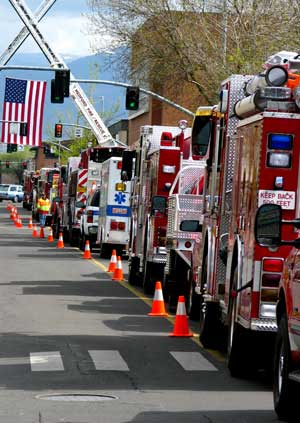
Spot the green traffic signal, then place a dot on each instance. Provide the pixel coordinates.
(132, 98)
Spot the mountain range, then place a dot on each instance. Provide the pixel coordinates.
(105, 98)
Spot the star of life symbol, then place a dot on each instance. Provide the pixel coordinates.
(120, 198)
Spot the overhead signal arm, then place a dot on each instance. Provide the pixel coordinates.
(98, 127)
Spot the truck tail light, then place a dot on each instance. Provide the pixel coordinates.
(89, 217)
(121, 226)
(272, 265)
(119, 165)
(113, 225)
(270, 278)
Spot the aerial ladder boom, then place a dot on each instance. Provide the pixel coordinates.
(100, 131)
(23, 34)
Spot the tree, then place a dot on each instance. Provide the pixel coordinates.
(197, 41)
(16, 163)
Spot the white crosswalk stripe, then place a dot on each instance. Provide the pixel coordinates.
(47, 361)
(108, 360)
(111, 360)
(193, 361)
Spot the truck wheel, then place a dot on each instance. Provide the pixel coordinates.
(209, 316)
(210, 324)
(148, 282)
(133, 271)
(284, 391)
(239, 359)
(192, 299)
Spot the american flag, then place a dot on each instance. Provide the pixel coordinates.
(23, 102)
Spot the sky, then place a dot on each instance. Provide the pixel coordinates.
(64, 27)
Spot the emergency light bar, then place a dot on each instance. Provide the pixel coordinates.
(280, 141)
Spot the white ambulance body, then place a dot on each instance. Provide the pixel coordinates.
(114, 209)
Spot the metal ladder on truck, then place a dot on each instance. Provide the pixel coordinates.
(31, 20)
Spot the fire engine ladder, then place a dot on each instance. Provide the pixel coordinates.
(100, 131)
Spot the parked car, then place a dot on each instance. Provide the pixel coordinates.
(12, 192)
(3, 190)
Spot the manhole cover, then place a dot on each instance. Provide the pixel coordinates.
(77, 397)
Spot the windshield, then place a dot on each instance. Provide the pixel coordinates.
(201, 135)
(4, 188)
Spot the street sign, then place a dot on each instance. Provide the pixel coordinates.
(78, 132)
(14, 128)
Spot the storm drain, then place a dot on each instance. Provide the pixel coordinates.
(78, 397)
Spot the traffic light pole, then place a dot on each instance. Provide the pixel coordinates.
(143, 90)
(104, 82)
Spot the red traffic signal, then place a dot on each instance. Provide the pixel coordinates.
(24, 165)
(58, 130)
(7, 163)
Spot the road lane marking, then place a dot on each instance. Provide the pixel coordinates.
(48, 361)
(216, 354)
(193, 361)
(108, 360)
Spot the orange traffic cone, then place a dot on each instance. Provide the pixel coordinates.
(42, 235)
(87, 251)
(30, 223)
(113, 262)
(118, 272)
(9, 206)
(181, 327)
(34, 232)
(50, 236)
(60, 243)
(18, 223)
(158, 305)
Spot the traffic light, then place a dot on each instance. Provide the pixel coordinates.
(60, 86)
(23, 129)
(58, 130)
(24, 165)
(11, 148)
(7, 163)
(132, 98)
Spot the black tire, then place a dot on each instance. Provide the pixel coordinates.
(133, 271)
(192, 299)
(210, 319)
(210, 324)
(284, 390)
(148, 281)
(239, 358)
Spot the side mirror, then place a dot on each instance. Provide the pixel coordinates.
(158, 204)
(268, 224)
(190, 226)
(127, 165)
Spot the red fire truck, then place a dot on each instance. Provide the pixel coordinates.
(185, 216)
(44, 180)
(271, 233)
(157, 162)
(28, 180)
(254, 159)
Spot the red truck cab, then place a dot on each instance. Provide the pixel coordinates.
(272, 231)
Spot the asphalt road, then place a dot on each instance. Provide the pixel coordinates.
(77, 347)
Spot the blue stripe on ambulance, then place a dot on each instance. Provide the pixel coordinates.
(121, 211)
